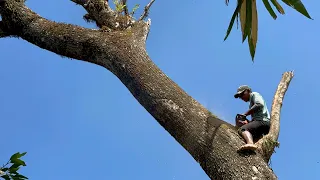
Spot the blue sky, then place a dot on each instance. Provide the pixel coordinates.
(77, 121)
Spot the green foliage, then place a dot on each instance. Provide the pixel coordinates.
(297, 5)
(9, 171)
(269, 8)
(247, 11)
(119, 7)
(270, 144)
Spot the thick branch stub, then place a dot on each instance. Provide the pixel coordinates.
(146, 10)
(270, 141)
(119, 19)
(100, 12)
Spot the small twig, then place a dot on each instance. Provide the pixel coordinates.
(146, 10)
(125, 8)
(5, 164)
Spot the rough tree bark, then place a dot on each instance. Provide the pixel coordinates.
(119, 46)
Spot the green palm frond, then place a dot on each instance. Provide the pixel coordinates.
(247, 11)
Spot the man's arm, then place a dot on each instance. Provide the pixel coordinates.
(258, 103)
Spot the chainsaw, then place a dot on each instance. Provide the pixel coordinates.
(241, 120)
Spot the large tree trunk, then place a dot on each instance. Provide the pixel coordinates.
(119, 46)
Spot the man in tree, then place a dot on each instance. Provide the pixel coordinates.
(260, 117)
(120, 47)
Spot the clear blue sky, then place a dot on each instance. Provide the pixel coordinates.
(77, 121)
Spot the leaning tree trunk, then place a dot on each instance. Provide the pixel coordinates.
(119, 46)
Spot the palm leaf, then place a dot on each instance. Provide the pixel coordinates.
(269, 8)
(278, 6)
(298, 5)
(247, 29)
(254, 30)
(287, 2)
(243, 10)
(235, 13)
(251, 47)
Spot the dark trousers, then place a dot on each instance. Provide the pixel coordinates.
(256, 128)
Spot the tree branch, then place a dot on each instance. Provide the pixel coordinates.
(270, 141)
(146, 10)
(63, 39)
(210, 141)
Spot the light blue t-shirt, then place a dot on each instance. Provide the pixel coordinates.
(261, 113)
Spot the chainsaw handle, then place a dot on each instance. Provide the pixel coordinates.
(241, 117)
(241, 120)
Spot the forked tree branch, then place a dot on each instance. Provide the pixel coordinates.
(270, 141)
(146, 10)
(210, 142)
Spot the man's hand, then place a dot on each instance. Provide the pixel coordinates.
(241, 120)
(244, 122)
(240, 123)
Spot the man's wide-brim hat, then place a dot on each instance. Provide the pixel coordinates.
(241, 89)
